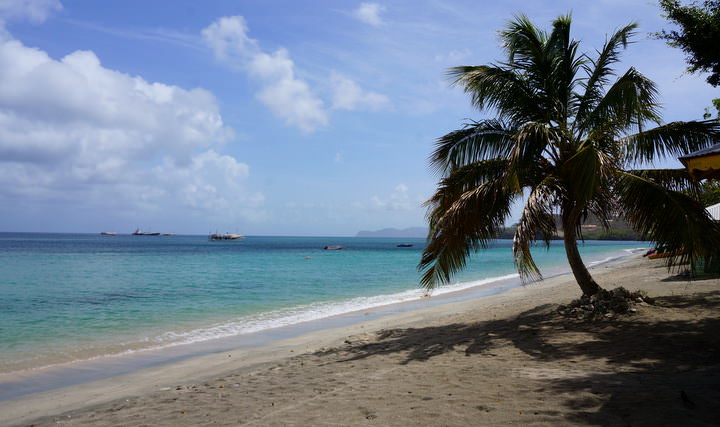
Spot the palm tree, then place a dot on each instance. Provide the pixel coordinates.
(571, 147)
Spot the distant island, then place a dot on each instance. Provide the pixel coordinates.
(412, 232)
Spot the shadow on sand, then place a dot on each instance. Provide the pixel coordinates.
(659, 367)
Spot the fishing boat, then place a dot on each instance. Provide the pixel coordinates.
(225, 236)
(137, 232)
(333, 247)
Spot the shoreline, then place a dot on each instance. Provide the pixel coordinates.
(291, 317)
(46, 378)
(203, 367)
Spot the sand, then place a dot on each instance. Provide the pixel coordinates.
(499, 360)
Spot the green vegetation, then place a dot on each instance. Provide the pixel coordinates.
(709, 193)
(698, 36)
(570, 144)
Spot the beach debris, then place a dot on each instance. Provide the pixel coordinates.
(605, 304)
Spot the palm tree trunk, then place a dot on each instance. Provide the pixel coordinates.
(581, 273)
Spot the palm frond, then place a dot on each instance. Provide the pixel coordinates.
(523, 42)
(493, 87)
(673, 139)
(672, 179)
(537, 217)
(586, 172)
(530, 141)
(675, 221)
(600, 70)
(462, 179)
(475, 142)
(472, 219)
(562, 50)
(629, 103)
(604, 206)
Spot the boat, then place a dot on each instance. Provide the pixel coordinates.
(657, 255)
(108, 233)
(663, 253)
(225, 236)
(333, 247)
(137, 232)
(404, 245)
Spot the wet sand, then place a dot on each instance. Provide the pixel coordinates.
(498, 360)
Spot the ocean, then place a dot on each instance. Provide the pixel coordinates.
(70, 297)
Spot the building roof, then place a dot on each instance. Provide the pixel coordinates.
(714, 211)
(715, 149)
(703, 164)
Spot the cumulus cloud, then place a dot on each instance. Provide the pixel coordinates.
(35, 11)
(348, 95)
(281, 91)
(286, 95)
(228, 39)
(369, 13)
(73, 130)
(210, 182)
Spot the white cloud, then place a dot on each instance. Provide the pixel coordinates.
(228, 39)
(72, 130)
(35, 11)
(347, 95)
(454, 56)
(398, 200)
(369, 13)
(286, 95)
(210, 182)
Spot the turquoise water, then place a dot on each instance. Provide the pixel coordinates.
(65, 297)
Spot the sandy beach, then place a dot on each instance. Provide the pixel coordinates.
(499, 360)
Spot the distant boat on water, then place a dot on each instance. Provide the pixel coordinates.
(225, 236)
(333, 247)
(108, 233)
(404, 245)
(137, 232)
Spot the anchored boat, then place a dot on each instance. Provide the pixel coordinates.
(137, 232)
(225, 236)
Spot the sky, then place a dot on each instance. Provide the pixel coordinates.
(263, 117)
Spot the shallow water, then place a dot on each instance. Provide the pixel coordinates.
(65, 297)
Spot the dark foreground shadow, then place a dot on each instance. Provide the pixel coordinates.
(662, 366)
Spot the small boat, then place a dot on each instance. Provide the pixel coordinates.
(137, 232)
(168, 234)
(108, 233)
(225, 236)
(404, 245)
(662, 253)
(333, 247)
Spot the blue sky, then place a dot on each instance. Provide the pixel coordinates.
(264, 117)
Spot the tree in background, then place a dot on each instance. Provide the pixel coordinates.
(568, 142)
(708, 114)
(709, 193)
(698, 36)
